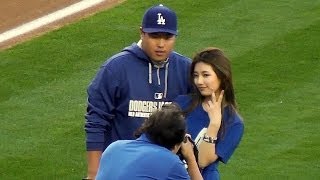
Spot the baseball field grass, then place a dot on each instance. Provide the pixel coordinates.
(274, 47)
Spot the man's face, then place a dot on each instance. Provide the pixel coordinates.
(157, 46)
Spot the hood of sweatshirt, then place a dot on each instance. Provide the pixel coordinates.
(136, 50)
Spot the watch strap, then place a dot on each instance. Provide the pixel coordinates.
(209, 139)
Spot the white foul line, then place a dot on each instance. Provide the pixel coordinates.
(84, 4)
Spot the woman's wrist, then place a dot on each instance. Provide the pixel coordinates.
(213, 129)
(209, 139)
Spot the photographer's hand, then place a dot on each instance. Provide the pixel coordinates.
(187, 150)
(188, 154)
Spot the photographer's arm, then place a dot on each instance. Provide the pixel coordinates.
(193, 169)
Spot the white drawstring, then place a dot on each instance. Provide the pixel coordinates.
(158, 75)
(150, 73)
(166, 81)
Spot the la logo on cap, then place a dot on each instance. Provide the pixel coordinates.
(161, 20)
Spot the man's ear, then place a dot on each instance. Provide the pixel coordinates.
(141, 33)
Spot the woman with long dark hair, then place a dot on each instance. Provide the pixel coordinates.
(211, 111)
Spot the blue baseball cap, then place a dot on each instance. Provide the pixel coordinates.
(160, 19)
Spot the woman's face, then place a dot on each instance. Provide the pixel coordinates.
(206, 79)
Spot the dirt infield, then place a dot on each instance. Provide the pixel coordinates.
(14, 13)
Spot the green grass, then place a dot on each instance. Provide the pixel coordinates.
(274, 47)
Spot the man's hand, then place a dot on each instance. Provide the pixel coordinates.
(93, 159)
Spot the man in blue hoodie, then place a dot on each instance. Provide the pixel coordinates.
(133, 83)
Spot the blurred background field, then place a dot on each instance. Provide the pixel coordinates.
(274, 47)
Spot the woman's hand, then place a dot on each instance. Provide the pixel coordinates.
(213, 108)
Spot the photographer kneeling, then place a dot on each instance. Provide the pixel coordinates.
(153, 154)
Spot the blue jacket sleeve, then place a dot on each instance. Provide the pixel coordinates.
(230, 141)
(101, 99)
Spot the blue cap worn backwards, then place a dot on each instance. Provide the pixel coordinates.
(160, 19)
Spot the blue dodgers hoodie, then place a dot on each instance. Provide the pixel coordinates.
(127, 88)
